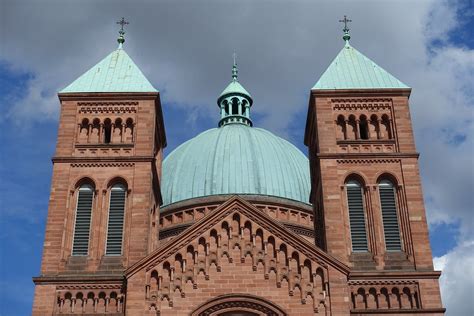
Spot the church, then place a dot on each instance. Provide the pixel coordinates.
(236, 221)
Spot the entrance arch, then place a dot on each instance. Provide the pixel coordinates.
(238, 305)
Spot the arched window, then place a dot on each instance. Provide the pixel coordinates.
(128, 135)
(363, 127)
(389, 216)
(341, 128)
(107, 131)
(117, 131)
(244, 107)
(226, 107)
(351, 129)
(235, 106)
(386, 130)
(82, 225)
(355, 204)
(116, 219)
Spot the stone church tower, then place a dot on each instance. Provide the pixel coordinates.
(236, 221)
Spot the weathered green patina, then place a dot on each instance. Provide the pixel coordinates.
(352, 70)
(235, 159)
(115, 73)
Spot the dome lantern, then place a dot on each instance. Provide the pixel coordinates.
(235, 102)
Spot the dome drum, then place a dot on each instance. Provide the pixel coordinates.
(177, 217)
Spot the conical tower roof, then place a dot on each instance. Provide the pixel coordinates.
(352, 70)
(234, 87)
(115, 73)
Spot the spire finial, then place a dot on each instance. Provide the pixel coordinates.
(234, 68)
(121, 38)
(346, 36)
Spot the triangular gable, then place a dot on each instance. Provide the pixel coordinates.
(352, 70)
(115, 73)
(258, 217)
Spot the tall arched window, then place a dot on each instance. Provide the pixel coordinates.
(82, 224)
(116, 219)
(355, 204)
(389, 216)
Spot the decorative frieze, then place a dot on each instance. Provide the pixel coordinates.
(372, 104)
(89, 299)
(368, 161)
(384, 294)
(102, 165)
(107, 107)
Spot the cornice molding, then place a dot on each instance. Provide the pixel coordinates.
(82, 279)
(351, 93)
(86, 96)
(59, 159)
(367, 155)
(402, 274)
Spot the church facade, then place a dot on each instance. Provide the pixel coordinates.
(236, 221)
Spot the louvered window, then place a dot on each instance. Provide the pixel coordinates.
(389, 216)
(82, 225)
(356, 216)
(116, 218)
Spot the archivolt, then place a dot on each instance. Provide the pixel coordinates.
(238, 302)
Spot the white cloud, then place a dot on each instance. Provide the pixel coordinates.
(37, 104)
(457, 279)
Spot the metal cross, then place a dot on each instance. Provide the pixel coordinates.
(122, 23)
(345, 21)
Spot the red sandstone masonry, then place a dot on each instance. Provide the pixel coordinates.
(77, 158)
(334, 164)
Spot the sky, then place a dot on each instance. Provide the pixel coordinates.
(185, 49)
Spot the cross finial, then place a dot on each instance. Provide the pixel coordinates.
(346, 36)
(121, 38)
(234, 67)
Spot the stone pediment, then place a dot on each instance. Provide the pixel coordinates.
(238, 205)
(237, 240)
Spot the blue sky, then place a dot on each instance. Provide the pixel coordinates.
(191, 66)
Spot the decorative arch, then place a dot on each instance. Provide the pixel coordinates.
(357, 176)
(79, 181)
(109, 183)
(387, 176)
(229, 303)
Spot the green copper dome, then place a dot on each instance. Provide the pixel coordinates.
(235, 159)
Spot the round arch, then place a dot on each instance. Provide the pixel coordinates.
(238, 304)
(110, 182)
(357, 176)
(384, 175)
